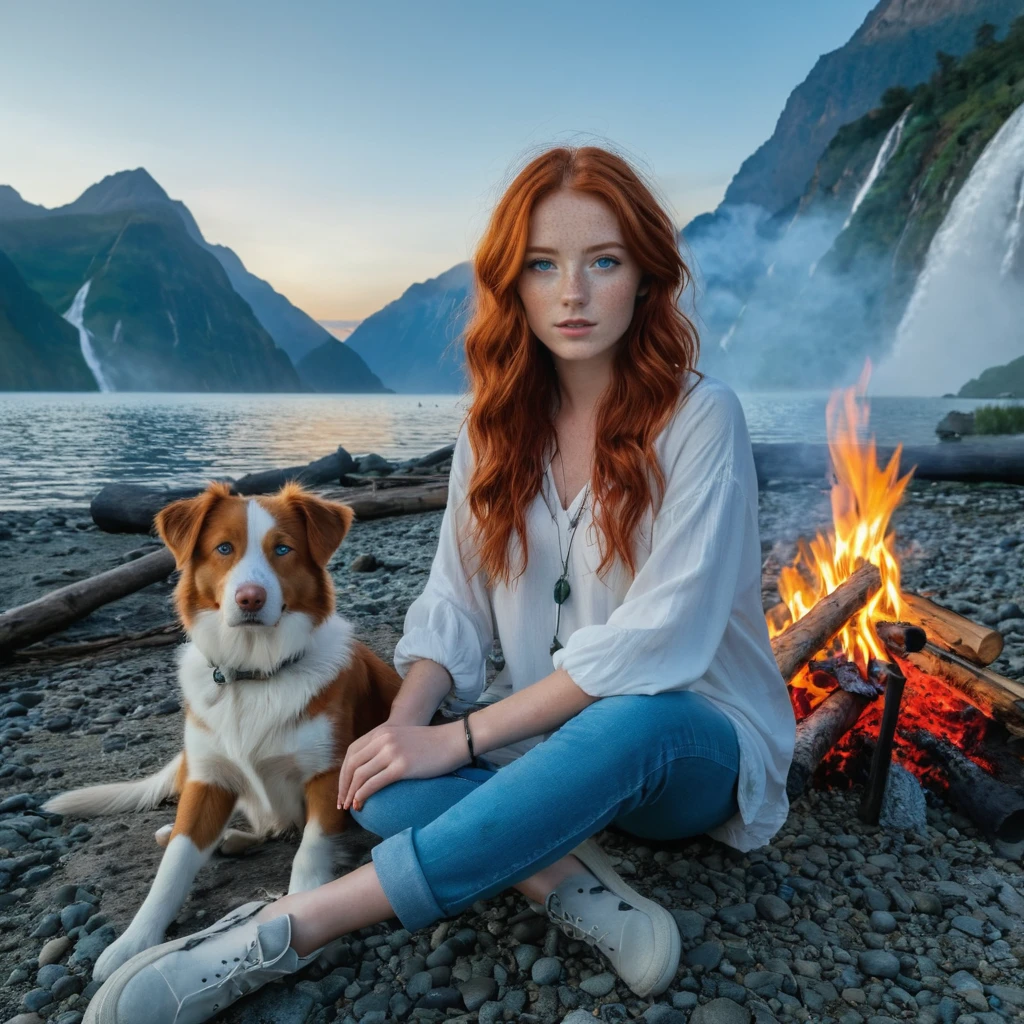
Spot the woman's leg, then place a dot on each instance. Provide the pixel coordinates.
(601, 766)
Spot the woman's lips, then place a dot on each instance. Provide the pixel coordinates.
(576, 330)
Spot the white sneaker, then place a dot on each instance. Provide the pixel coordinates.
(639, 937)
(191, 979)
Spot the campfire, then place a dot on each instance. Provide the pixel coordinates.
(874, 670)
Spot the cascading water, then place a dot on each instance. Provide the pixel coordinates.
(890, 144)
(965, 313)
(76, 317)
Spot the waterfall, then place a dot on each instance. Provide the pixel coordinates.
(965, 314)
(1013, 231)
(890, 144)
(76, 317)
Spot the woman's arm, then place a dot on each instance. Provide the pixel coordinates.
(423, 689)
(538, 708)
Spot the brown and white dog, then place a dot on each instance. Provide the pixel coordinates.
(274, 690)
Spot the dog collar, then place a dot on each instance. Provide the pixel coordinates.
(222, 676)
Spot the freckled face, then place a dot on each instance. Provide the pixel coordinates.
(584, 272)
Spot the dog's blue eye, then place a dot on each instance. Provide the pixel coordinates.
(225, 548)
(282, 549)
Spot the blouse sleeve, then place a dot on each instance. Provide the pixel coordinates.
(451, 621)
(667, 630)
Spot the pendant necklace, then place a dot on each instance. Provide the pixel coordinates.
(562, 588)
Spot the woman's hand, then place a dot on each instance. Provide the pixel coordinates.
(391, 752)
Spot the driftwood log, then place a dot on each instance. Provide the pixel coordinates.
(945, 628)
(158, 636)
(27, 623)
(996, 807)
(994, 695)
(999, 460)
(802, 640)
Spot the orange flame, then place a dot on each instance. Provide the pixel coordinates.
(863, 498)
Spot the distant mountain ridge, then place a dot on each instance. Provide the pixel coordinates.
(895, 45)
(137, 196)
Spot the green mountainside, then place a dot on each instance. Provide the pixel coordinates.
(39, 349)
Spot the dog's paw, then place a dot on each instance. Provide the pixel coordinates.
(119, 952)
(163, 835)
(304, 880)
(235, 842)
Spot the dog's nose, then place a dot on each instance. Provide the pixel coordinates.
(250, 597)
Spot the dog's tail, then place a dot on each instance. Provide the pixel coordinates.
(116, 797)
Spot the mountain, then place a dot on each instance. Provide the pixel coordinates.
(895, 45)
(160, 310)
(334, 366)
(39, 349)
(995, 381)
(415, 342)
(12, 206)
(905, 246)
(292, 330)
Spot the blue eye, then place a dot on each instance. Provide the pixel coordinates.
(533, 263)
(225, 548)
(615, 262)
(281, 549)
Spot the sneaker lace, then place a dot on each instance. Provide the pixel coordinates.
(572, 925)
(237, 981)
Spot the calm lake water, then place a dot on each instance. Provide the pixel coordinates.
(59, 449)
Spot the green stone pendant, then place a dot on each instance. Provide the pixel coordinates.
(562, 590)
(555, 646)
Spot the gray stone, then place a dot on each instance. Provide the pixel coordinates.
(878, 964)
(773, 909)
(811, 933)
(691, 924)
(707, 955)
(882, 922)
(741, 913)
(964, 981)
(478, 991)
(903, 806)
(599, 985)
(720, 1011)
(659, 1013)
(546, 970)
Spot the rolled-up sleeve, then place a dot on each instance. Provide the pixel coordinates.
(666, 631)
(451, 621)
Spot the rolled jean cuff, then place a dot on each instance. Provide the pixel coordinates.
(404, 884)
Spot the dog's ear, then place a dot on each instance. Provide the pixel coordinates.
(179, 523)
(327, 522)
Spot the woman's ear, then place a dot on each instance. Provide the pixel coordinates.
(645, 287)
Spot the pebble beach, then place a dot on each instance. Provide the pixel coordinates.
(833, 921)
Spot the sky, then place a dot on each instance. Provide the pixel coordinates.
(346, 151)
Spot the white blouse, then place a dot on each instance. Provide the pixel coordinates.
(691, 618)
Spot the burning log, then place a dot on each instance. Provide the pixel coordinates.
(968, 639)
(871, 804)
(997, 808)
(819, 732)
(795, 647)
(901, 637)
(996, 696)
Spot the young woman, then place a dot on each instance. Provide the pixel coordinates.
(602, 522)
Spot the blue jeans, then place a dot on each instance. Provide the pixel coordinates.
(660, 766)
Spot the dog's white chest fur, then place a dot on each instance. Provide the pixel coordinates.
(255, 738)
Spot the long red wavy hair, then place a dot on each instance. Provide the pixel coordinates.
(513, 382)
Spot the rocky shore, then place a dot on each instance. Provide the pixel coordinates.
(832, 921)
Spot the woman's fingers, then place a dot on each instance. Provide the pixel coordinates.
(364, 772)
(359, 751)
(388, 772)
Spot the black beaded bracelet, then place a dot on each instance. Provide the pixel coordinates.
(469, 738)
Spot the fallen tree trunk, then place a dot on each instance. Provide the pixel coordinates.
(27, 623)
(802, 640)
(994, 695)
(999, 460)
(945, 628)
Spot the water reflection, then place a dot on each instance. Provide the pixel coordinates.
(58, 449)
